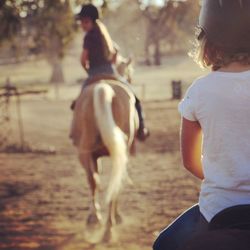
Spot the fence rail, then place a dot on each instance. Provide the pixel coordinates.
(7, 93)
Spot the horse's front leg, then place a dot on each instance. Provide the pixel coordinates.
(90, 166)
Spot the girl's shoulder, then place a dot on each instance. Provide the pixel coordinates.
(204, 79)
(201, 82)
(216, 78)
(207, 81)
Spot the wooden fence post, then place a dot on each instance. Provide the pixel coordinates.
(176, 90)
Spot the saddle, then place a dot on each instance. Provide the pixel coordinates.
(115, 80)
(237, 217)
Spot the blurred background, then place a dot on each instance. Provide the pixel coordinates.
(46, 34)
(44, 195)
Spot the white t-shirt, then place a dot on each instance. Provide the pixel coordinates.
(220, 102)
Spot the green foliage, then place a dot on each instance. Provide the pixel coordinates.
(51, 24)
(171, 23)
(173, 19)
(9, 20)
(39, 27)
(48, 26)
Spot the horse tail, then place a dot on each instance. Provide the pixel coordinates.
(112, 136)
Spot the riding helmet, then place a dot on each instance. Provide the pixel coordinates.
(226, 23)
(89, 11)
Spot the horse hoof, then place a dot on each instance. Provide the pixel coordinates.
(94, 219)
(109, 236)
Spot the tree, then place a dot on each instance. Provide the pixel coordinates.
(48, 24)
(166, 23)
(9, 19)
(51, 25)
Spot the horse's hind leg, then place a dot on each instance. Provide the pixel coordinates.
(90, 166)
(111, 221)
(118, 217)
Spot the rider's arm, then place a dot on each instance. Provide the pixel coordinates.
(114, 58)
(191, 141)
(116, 52)
(85, 59)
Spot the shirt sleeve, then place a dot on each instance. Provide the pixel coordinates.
(188, 105)
(87, 42)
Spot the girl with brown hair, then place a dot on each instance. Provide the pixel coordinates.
(99, 54)
(215, 134)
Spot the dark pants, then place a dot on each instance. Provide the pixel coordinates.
(106, 69)
(189, 224)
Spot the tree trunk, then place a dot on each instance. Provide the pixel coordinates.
(147, 53)
(147, 56)
(57, 72)
(157, 53)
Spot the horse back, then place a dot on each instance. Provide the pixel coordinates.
(86, 125)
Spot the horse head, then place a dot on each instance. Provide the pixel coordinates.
(124, 66)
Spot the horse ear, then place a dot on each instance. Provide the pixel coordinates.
(129, 61)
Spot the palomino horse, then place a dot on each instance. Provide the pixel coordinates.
(104, 124)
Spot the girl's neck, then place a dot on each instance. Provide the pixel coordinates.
(234, 67)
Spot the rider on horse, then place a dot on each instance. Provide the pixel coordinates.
(99, 55)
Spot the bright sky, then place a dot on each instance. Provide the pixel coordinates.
(157, 2)
(99, 2)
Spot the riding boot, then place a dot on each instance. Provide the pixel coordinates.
(142, 132)
(73, 104)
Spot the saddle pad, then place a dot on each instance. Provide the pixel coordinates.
(100, 77)
(113, 80)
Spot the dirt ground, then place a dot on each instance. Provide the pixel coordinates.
(44, 198)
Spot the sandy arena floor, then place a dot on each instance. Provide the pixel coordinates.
(44, 198)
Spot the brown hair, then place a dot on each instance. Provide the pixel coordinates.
(107, 42)
(207, 54)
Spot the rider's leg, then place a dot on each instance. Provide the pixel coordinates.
(143, 132)
(182, 229)
(84, 85)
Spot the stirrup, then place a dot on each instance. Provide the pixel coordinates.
(73, 104)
